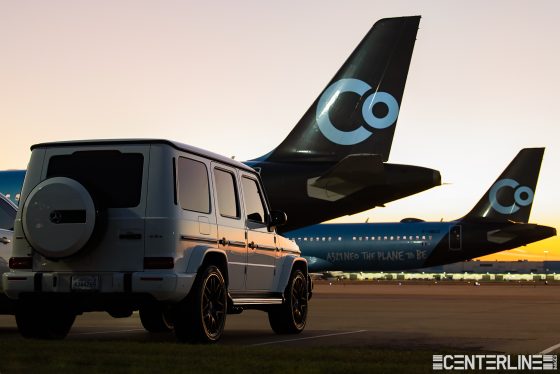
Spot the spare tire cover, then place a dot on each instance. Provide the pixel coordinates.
(58, 217)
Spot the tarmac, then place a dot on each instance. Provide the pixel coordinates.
(493, 317)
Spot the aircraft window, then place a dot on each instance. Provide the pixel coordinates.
(304, 239)
(423, 237)
(430, 237)
(254, 206)
(373, 238)
(392, 238)
(330, 239)
(18, 197)
(360, 238)
(228, 203)
(417, 237)
(193, 182)
(318, 238)
(324, 238)
(353, 238)
(114, 178)
(339, 238)
(379, 238)
(366, 238)
(384, 238)
(398, 237)
(310, 239)
(8, 195)
(7, 216)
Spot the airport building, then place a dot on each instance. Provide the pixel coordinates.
(475, 271)
(496, 267)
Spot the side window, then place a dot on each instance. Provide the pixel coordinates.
(228, 202)
(7, 216)
(194, 191)
(253, 200)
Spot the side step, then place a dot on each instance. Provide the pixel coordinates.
(256, 301)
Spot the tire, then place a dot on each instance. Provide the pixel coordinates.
(201, 316)
(291, 316)
(155, 319)
(38, 323)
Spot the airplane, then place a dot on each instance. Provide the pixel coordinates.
(498, 222)
(333, 162)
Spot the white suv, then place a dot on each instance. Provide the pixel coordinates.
(181, 234)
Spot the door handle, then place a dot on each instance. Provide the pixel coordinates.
(252, 245)
(5, 240)
(223, 241)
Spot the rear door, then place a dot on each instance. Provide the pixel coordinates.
(231, 225)
(455, 238)
(116, 177)
(261, 257)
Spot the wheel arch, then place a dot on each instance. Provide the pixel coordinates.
(202, 256)
(290, 263)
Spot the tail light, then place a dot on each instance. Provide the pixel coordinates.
(21, 262)
(159, 263)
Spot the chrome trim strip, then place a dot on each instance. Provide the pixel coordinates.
(266, 247)
(234, 243)
(198, 239)
(261, 265)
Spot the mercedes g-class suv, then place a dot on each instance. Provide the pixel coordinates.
(183, 235)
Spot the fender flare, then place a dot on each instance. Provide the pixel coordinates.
(199, 253)
(285, 270)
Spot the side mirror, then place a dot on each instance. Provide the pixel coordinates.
(277, 218)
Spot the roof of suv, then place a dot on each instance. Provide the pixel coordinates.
(176, 145)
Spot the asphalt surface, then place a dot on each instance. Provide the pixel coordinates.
(509, 318)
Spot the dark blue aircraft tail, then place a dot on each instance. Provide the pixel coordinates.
(511, 196)
(357, 112)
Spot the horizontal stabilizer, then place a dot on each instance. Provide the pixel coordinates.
(504, 235)
(348, 176)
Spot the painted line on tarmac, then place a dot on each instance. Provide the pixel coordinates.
(105, 332)
(550, 349)
(309, 337)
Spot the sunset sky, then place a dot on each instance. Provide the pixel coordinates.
(235, 77)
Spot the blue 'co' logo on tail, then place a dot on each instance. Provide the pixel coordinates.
(522, 196)
(328, 98)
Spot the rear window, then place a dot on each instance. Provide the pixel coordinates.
(194, 191)
(114, 179)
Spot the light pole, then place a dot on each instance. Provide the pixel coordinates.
(545, 267)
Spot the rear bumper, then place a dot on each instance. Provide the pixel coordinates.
(167, 286)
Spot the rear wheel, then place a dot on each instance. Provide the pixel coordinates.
(291, 316)
(201, 315)
(155, 319)
(37, 322)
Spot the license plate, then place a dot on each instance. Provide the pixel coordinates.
(85, 283)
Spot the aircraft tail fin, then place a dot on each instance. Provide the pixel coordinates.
(511, 195)
(357, 111)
